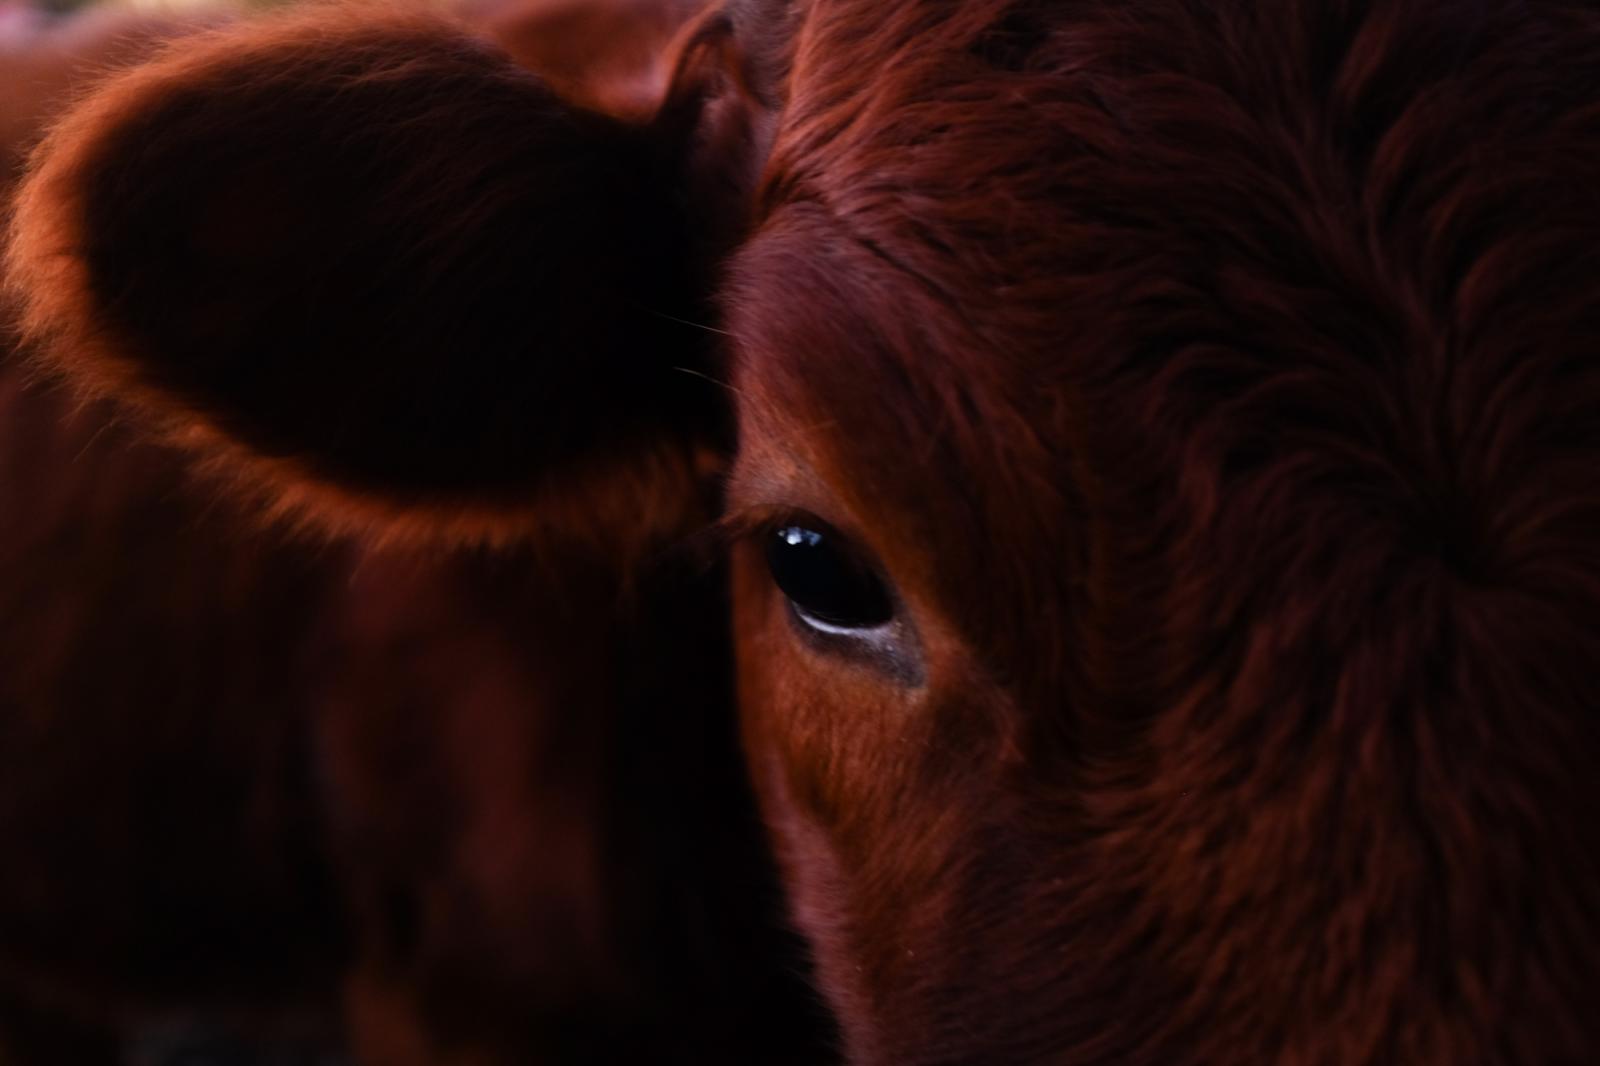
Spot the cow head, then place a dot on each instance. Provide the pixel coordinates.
(1165, 538)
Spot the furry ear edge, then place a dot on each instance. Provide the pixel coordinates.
(140, 310)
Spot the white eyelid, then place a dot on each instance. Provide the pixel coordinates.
(876, 634)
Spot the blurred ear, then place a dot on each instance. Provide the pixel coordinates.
(387, 279)
(613, 56)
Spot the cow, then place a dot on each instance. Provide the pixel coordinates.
(265, 798)
(1154, 447)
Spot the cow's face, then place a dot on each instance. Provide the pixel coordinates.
(1152, 531)
(1162, 507)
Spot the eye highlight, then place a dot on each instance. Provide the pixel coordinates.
(831, 588)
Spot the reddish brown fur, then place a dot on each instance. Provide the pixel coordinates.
(434, 806)
(1215, 382)
(298, 781)
(1211, 382)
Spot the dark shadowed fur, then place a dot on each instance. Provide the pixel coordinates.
(424, 806)
(482, 809)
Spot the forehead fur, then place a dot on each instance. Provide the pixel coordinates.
(1314, 259)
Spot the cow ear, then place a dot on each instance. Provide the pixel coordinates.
(385, 279)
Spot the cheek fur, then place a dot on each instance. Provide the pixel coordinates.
(835, 724)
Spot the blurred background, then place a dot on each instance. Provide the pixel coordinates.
(157, 6)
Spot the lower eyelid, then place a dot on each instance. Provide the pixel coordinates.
(887, 649)
(852, 632)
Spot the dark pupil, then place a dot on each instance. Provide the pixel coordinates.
(825, 582)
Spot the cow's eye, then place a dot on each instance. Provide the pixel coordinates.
(831, 588)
